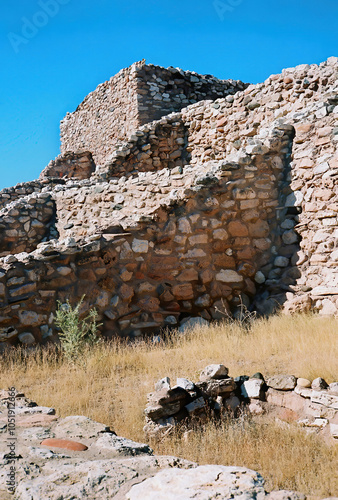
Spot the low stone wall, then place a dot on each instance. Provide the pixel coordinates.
(69, 165)
(135, 96)
(8, 195)
(313, 405)
(25, 223)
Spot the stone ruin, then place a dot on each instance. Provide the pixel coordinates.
(76, 457)
(187, 405)
(179, 196)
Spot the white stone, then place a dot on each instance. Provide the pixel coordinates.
(120, 446)
(303, 382)
(325, 398)
(320, 169)
(229, 276)
(324, 290)
(282, 382)
(163, 383)
(213, 372)
(334, 427)
(294, 199)
(333, 388)
(328, 308)
(140, 246)
(185, 384)
(206, 482)
(252, 388)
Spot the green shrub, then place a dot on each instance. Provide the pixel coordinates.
(76, 334)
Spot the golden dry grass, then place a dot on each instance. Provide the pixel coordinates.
(111, 381)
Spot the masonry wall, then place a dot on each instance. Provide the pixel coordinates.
(9, 195)
(135, 96)
(230, 128)
(70, 165)
(205, 244)
(236, 196)
(25, 223)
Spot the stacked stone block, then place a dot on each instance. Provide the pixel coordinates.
(313, 405)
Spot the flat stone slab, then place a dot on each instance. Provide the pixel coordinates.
(206, 482)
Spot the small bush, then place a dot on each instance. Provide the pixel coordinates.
(76, 334)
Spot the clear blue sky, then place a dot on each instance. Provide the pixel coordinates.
(47, 71)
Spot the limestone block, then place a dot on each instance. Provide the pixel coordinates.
(213, 372)
(140, 246)
(282, 382)
(229, 276)
(207, 482)
(252, 388)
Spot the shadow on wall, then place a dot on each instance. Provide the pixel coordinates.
(279, 276)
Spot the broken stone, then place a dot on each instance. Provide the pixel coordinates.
(282, 382)
(213, 372)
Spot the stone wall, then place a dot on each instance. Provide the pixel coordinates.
(135, 96)
(304, 97)
(26, 222)
(313, 405)
(8, 195)
(69, 165)
(230, 198)
(199, 243)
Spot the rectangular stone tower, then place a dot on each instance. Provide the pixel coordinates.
(135, 96)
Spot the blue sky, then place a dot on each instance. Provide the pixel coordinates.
(54, 52)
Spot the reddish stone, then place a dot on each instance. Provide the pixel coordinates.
(126, 292)
(237, 228)
(322, 141)
(139, 276)
(39, 420)
(188, 275)
(246, 269)
(158, 317)
(206, 276)
(288, 415)
(166, 296)
(245, 253)
(65, 444)
(259, 229)
(223, 260)
(221, 122)
(287, 80)
(218, 290)
(173, 306)
(250, 286)
(149, 304)
(303, 128)
(183, 292)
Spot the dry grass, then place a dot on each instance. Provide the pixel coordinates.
(111, 381)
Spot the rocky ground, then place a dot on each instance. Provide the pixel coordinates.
(76, 457)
